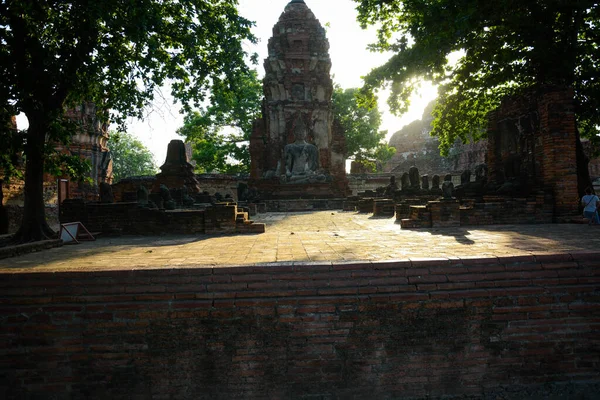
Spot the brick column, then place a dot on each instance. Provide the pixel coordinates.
(558, 143)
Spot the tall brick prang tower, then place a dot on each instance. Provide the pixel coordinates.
(298, 90)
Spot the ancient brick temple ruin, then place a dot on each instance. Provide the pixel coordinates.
(532, 145)
(531, 174)
(297, 150)
(177, 172)
(170, 202)
(90, 142)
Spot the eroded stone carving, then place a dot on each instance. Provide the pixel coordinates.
(391, 188)
(425, 182)
(301, 158)
(142, 196)
(405, 181)
(168, 202)
(415, 180)
(447, 187)
(435, 182)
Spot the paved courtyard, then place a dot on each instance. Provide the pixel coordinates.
(310, 236)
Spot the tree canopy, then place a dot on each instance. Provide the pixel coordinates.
(11, 143)
(220, 131)
(115, 53)
(130, 157)
(364, 141)
(503, 48)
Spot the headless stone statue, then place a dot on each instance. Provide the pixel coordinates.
(415, 181)
(425, 182)
(391, 188)
(447, 187)
(142, 196)
(168, 202)
(435, 182)
(481, 174)
(405, 181)
(301, 158)
(186, 199)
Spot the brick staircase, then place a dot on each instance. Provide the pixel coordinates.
(228, 218)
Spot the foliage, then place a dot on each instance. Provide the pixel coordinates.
(218, 151)
(73, 166)
(117, 52)
(114, 53)
(364, 140)
(56, 163)
(367, 166)
(233, 111)
(130, 157)
(11, 143)
(504, 47)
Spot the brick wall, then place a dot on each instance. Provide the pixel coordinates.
(488, 328)
(361, 182)
(129, 218)
(533, 138)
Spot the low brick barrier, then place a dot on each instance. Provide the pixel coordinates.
(129, 218)
(480, 328)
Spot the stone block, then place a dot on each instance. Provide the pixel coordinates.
(383, 207)
(444, 213)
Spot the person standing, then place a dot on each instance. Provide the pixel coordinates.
(590, 203)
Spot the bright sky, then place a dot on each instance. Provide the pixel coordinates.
(349, 56)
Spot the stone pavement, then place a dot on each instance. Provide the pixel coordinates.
(311, 237)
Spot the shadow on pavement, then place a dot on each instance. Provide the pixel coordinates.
(461, 237)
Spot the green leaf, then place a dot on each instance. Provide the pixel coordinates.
(507, 46)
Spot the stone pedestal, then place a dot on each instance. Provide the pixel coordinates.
(444, 213)
(418, 217)
(365, 205)
(403, 208)
(383, 208)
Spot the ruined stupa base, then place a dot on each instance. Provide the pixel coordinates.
(274, 190)
(297, 205)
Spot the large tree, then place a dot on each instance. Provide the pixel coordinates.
(365, 143)
(55, 53)
(503, 47)
(130, 157)
(219, 132)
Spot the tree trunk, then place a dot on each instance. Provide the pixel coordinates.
(34, 226)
